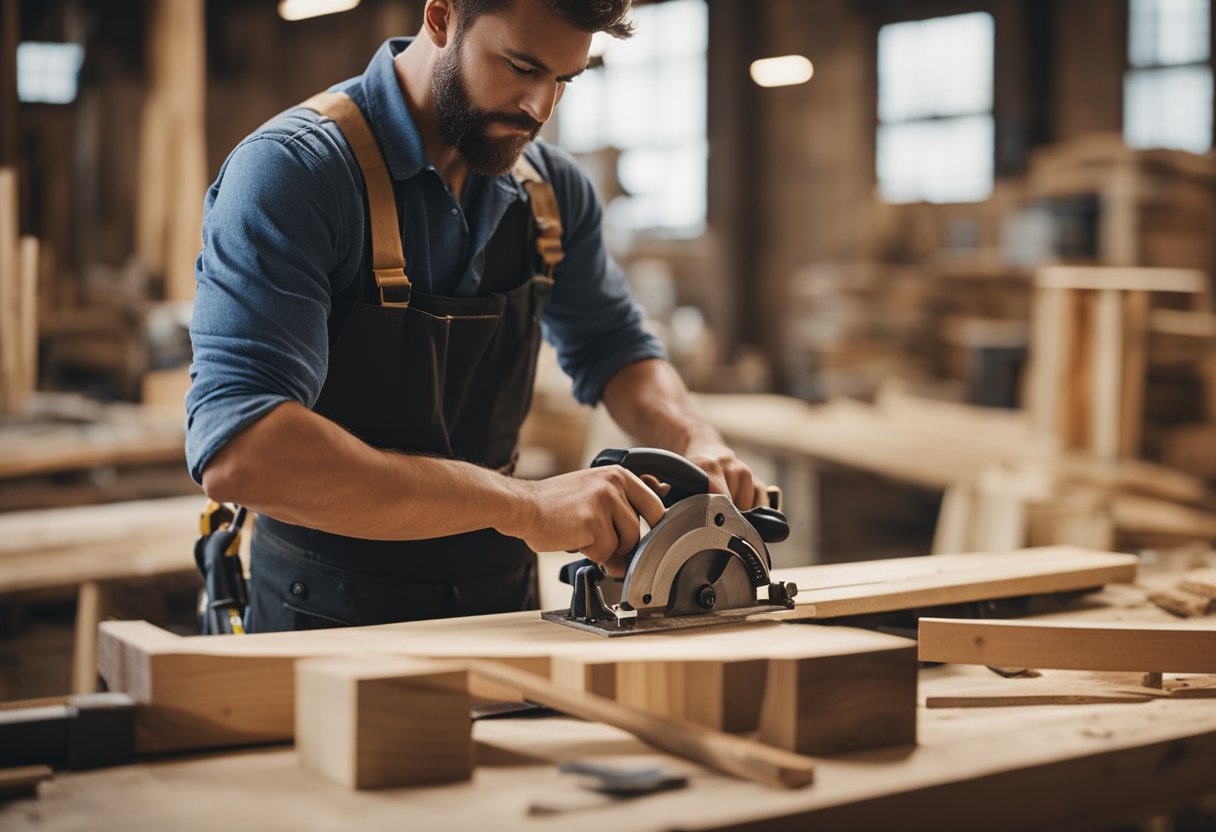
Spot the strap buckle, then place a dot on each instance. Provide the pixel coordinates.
(395, 287)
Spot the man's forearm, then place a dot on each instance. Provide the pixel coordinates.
(649, 401)
(301, 468)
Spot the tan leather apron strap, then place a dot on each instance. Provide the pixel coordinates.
(388, 258)
(545, 212)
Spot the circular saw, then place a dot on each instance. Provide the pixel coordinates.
(706, 562)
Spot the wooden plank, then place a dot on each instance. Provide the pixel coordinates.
(1134, 372)
(1147, 515)
(908, 583)
(1030, 692)
(1121, 278)
(740, 757)
(22, 780)
(1122, 647)
(374, 721)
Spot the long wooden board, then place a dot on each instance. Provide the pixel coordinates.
(839, 590)
(1070, 646)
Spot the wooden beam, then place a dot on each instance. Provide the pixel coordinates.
(375, 721)
(1122, 278)
(10, 285)
(1121, 647)
(724, 752)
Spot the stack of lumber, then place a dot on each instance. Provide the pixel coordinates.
(1006, 485)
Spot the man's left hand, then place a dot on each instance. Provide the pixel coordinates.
(727, 473)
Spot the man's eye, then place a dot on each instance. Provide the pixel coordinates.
(519, 70)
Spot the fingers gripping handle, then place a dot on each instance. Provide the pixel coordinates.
(684, 477)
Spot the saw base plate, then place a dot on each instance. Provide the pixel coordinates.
(662, 624)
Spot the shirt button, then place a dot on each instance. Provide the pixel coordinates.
(455, 212)
(298, 589)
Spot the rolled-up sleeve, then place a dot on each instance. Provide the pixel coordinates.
(592, 319)
(273, 233)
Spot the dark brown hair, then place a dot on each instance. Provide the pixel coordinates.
(611, 16)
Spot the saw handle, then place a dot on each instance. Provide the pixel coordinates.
(770, 524)
(684, 478)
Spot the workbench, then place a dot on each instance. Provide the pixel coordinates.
(1043, 767)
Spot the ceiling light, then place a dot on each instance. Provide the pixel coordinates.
(782, 72)
(301, 9)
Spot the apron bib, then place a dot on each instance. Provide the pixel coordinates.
(419, 374)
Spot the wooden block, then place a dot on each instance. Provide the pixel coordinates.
(842, 701)
(724, 695)
(1182, 603)
(22, 780)
(375, 721)
(1068, 646)
(1107, 374)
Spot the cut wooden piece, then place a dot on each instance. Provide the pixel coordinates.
(22, 780)
(1134, 369)
(1123, 647)
(854, 700)
(907, 583)
(1146, 515)
(1182, 603)
(1201, 582)
(721, 694)
(10, 324)
(375, 721)
(724, 752)
(27, 314)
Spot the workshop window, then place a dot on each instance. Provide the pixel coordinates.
(47, 73)
(647, 102)
(935, 139)
(1167, 91)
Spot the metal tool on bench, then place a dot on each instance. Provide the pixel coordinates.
(218, 554)
(704, 563)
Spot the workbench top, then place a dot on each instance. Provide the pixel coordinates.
(995, 768)
(1042, 767)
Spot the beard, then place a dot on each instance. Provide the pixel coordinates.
(463, 125)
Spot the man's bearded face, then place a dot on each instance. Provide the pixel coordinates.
(465, 126)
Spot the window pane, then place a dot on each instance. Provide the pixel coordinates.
(946, 160)
(1165, 32)
(649, 101)
(1169, 107)
(48, 72)
(937, 67)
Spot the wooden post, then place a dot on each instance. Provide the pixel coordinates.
(27, 313)
(10, 285)
(173, 162)
(89, 605)
(1107, 375)
(1135, 368)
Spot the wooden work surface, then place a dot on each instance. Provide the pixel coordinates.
(1043, 767)
(1065, 767)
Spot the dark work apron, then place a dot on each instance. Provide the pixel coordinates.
(420, 374)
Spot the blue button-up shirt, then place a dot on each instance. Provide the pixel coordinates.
(285, 231)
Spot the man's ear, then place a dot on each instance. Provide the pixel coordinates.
(439, 21)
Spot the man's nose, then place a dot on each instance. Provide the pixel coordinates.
(540, 102)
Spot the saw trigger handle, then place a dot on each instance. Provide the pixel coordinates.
(684, 478)
(769, 523)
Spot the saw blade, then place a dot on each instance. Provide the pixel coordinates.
(712, 579)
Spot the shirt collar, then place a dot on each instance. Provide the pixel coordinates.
(393, 123)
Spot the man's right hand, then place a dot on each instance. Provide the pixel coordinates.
(593, 511)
